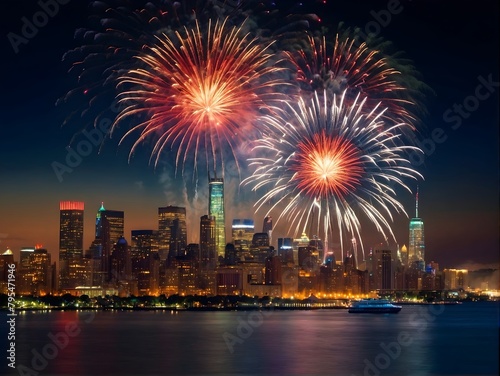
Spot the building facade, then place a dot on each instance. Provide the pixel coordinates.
(242, 233)
(416, 245)
(166, 217)
(208, 250)
(70, 242)
(216, 209)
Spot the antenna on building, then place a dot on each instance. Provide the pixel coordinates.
(416, 204)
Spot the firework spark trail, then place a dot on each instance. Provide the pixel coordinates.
(117, 32)
(354, 69)
(200, 91)
(335, 157)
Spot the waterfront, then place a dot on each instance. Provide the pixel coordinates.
(420, 340)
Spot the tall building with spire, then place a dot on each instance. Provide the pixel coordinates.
(70, 241)
(216, 209)
(416, 246)
(109, 229)
(98, 221)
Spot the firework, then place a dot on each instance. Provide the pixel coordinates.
(331, 161)
(353, 68)
(118, 31)
(199, 92)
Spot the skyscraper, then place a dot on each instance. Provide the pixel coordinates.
(109, 228)
(416, 246)
(216, 209)
(285, 250)
(382, 269)
(242, 232)
(120, 261)
(41, 269)
(144, 242)
(24, 275)
(404, 255)
(178, 243)
(273, 270)
(268, 227)
(70, 241)
(208, 255)
(166, 217)
(260, 247)
(98, 221)
(6, 259)
(145, 261)
(208, 252)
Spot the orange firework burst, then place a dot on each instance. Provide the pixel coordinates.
(326, 166)
(199, 91)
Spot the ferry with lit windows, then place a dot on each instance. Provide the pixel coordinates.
(374, 306)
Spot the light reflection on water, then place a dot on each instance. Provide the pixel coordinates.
(451, 340)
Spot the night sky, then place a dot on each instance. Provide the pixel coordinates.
(453, 45)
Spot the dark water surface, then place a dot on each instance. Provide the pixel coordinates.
(420, 340)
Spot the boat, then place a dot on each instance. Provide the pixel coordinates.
(374, 306)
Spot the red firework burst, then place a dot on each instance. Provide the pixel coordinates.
(199, 91)
(353, 68)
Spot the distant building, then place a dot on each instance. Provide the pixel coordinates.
(70, 242)
(285, 250)
(273, 270)
(229, 280)
(171, 217)
(178, 242)
(260, 247)
(144, 242)
(309, 258)
(42, 272)
(455, 279)
(186, 274)
(416, 245)
(289, 280)
(404, 255)
(318, 244)
(6, 259)
(260, 239)
(382, 269)
(109, 229)
(120, 260)
(216, 209)
(36, 275)
(193, 252)
(268, 227)
(242, 232)
(121, 269)
(208, 251)
(145, 261)
(24, 275)
(230, 255)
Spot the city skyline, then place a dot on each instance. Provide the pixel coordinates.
(166, 216)
(458, 197)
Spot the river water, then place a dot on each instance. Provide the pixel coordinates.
(420, 340)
